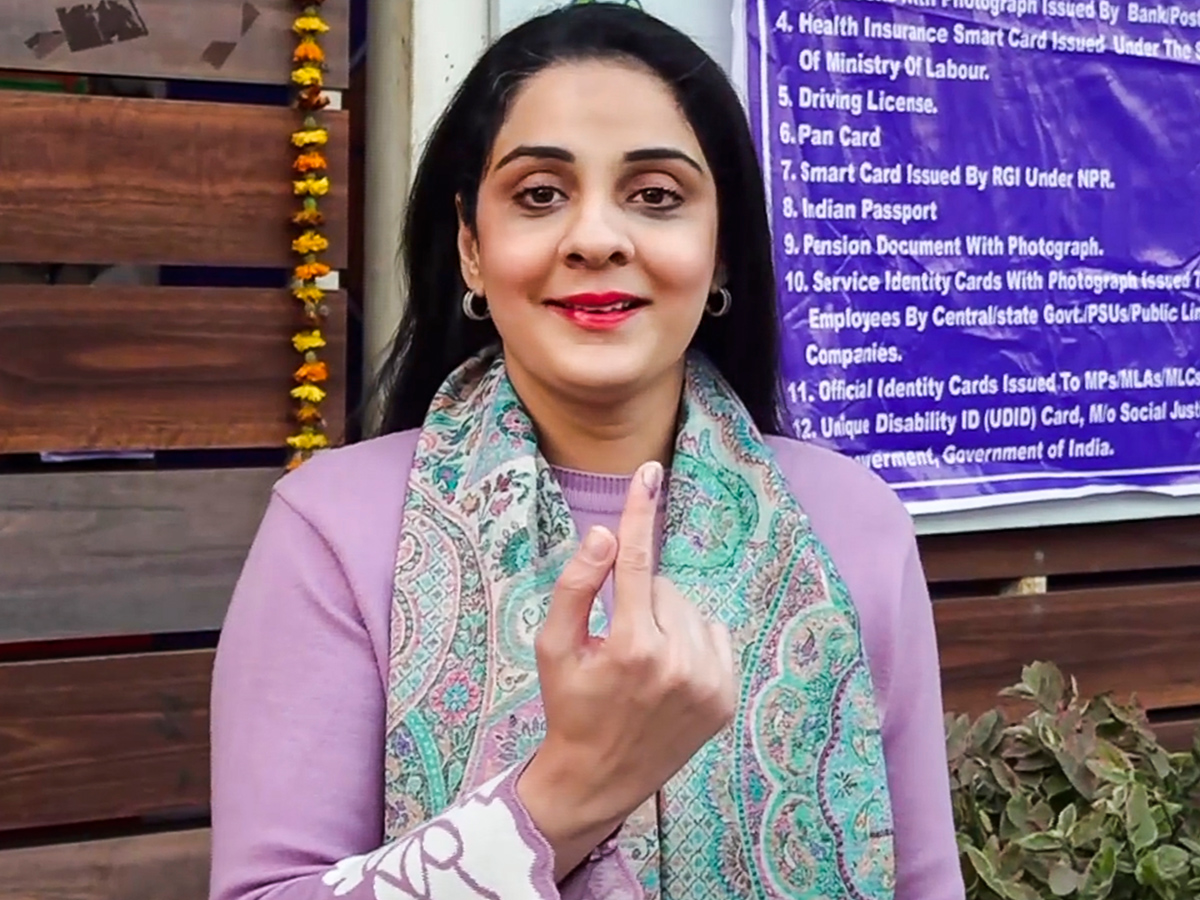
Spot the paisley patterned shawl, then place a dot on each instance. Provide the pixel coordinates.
(791, 801)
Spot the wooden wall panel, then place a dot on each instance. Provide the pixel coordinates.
(1177, 735)
(1139, 638)
(214, 40)
(123, 553)
(168, 866)
(1076, 549)
(103, 738)
(89, 368)
(155, 182)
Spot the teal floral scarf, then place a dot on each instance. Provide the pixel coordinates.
(791, 801)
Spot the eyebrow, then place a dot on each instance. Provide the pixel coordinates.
(648, 154)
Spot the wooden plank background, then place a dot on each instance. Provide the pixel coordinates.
(156, 182)
(87, 368)
(164, 866)
(123, 553)
(1132, 639)
(1074, 549)
(213, 40)
(103, 738)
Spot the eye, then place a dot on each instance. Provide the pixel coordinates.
(659, 197)
(538, 196)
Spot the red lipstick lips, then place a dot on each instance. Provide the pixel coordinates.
(598, 312)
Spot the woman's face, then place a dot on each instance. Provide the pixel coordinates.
(596, 232)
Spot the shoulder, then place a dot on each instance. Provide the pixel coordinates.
(354, 482)
(834, 489)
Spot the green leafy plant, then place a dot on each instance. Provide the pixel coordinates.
(1076, 800)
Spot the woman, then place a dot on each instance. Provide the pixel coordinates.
(416, 694)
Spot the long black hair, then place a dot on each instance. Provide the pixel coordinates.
(434, 337)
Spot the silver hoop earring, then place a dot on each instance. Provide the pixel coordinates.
(469, 308)
(726, 303)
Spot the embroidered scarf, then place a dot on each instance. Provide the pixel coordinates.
(791, 800)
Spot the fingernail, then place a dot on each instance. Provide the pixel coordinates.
(652, 476)
(595, 545)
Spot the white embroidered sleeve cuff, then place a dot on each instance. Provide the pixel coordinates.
(484, 846)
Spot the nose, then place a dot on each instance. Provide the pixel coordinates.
(597, 237)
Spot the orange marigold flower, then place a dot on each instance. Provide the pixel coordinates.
(309, 51)
(311, 271)
(309, 218)
(314, 372)
(308, 414)
(296, 461)
(310, 161)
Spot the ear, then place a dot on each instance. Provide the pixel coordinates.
(720, 278)
(468, 252)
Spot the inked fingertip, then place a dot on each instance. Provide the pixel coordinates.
(652, 477)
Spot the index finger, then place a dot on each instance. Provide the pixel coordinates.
(633, 573)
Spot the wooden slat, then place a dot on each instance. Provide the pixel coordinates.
(1084, 549)
(119, 180)
(1177, 735)
(170, 866)
(1141, 639)
(213, 40)
(89, 368)
(121, 553)
(103, 738)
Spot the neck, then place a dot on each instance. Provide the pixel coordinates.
(604, 438)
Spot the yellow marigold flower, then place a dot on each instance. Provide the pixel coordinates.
(309, 217)
(308, 340)
(308, 51)
(308, 441)
(308, 293)
(308, 76)
(310, 161)
(315, 187)
(310, 242)
(309, 393)
(310, 137)
(309, 25)
(311, 271)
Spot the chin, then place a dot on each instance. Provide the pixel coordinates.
(605, 375)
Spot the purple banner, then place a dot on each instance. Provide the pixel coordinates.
(987, 229)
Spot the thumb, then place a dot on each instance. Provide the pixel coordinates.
(566, 625)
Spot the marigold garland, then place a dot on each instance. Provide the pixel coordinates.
(311, 166)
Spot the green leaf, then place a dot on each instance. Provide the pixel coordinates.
(1172, 862)
(1064, 880)
(1139, 821)
(1101, 871)
(1088, 830)
(1067, 819)
(983, 732)
(1005, 777)
(1039, 842)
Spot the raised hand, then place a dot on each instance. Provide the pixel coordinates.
(625, 712)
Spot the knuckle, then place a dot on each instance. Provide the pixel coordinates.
(636, 558)
(576, 578)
